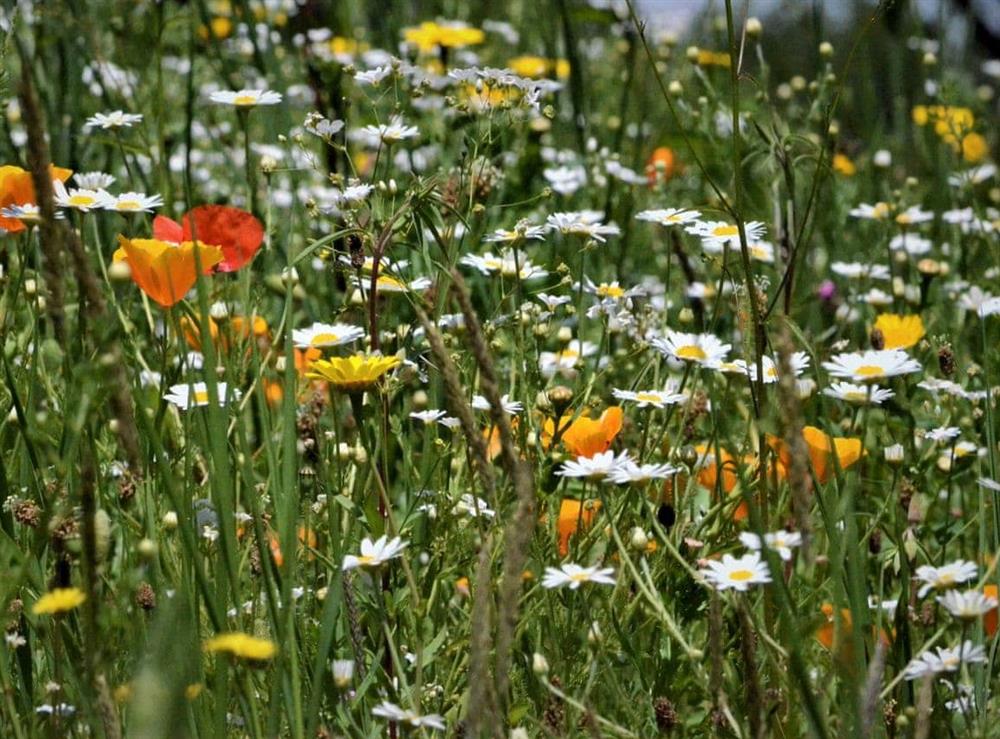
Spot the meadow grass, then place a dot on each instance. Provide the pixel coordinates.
(371, 372)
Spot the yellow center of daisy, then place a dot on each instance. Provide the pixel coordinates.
(128, 205)
(647, 397)
(946, 579)
(245, 100)
(691, 351)
(869, 370)
(725, 231)
(320, 339)
(881, 210)
(758, 252)
(390, 283)
(675, 218)
(610, 291)
(366, 559)
(740, 575)
(579, 577)
(201, 396)
(855, 395)
(772, 371)
(568, 354)
(81, 200)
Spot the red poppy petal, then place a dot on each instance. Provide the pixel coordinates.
(236, 231)
(167, 229)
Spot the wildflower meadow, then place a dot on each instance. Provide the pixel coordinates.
(598, 368)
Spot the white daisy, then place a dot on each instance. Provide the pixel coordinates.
(860, 394)
(450, 422)
(373, 76)
(375, 553)
(878, 212)
(669, 216)
(81, 199)
(326, 335)
(945, 660)
(943, 433)
(93, 180)
(914, 215)
(510, 407)
(649, 398)
(392, 132)
(946, 576)
(428, 416)
(703, 349)
(470, 505)
(188, 396)
(246, 98)
(507, 265)
(629, 472)
(973, 176)
(114, 119)
(574, 575)
(715, 235)
(858, 270)
(392, 712)
(582, 223)
(967, 606)
(780, 541)
(872, 365)
(134, 202)
(799, 361)
(523, 231)
(738, 574)
(598, 467)
(566, 361)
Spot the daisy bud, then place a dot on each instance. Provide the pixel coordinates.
(268, 164)
(119, 272)
(518, 733)
(12, 415)
(754, 26)
(560, 396)
(219, 311)
(798, 83)
(594, 635)
(784, 91)
(419, 399)
(638, 539)
(343, 672)
(114, 425)
(321, 594)
(541, 329)
(343, 452)
(360, 454)
(834, 129)
(686, 315)
(147, 548)
(929, 59)
(912, 294)
(279, 364)
(539, 665)
(692, 53)
(826, 49)
(675, 88)
(898, 286)
(894, 454)
(31, 287)
(169, 520)
(565, 334)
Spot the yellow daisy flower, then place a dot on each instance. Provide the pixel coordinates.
(352, 374)
(60, 600)
(900, 332)
(242, 646)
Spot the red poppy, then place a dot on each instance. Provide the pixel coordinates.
(235, 231)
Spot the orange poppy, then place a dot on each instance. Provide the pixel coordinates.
(16, 188)
(990, 619)
(661, 165)
(848, 450)
(307, 537)
(710, 467)
(573, 514)
(827, 636)
(585, 436)
(238, 233)
(164, 271)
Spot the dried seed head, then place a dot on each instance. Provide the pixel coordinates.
(877, 339)
(666, 715)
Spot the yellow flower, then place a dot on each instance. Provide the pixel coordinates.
(708, 58)
(529, 66)
(58, 601)
(429, 35)
(352, 374)
(843, 165)
(242, 646)
(974, 148)
(900, 332)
